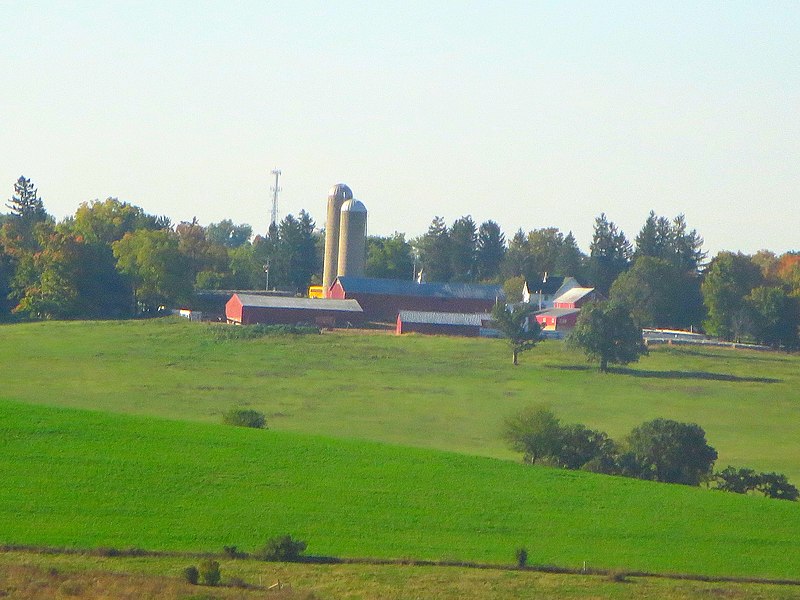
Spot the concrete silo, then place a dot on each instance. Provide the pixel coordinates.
(352, 239)
(338, 195)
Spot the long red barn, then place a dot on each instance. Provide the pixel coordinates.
(247, 309)
(383, 299)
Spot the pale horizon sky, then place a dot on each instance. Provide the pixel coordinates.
(532, 114)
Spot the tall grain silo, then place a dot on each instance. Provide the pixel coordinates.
(352, 239)
(338, 195)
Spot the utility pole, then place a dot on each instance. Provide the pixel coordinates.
(275, 189)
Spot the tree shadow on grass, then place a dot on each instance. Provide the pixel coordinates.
(704, 375)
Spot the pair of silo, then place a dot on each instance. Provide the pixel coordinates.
(345, 236)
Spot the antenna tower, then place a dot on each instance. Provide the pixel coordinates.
(275, 189)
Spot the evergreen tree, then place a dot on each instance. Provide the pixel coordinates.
(518, 260)
(687, 246)
(463, 249)
(26, 203)
(545, 246)
(491, 250)
(293, 253)
(570, 259)
(655, 238)
(610, 254)
(670, 241)
(434, 252)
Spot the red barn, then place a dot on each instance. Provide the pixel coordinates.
(574, 298)
(557, 319)
(383, 299)
(247, 309)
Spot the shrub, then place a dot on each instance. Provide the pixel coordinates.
(233, 552)
(245, 418)
(522, 557)
(282, 548)
(250, 332)
(191, 575)
(617, 576)
(209, 572)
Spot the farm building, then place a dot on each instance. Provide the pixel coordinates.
(575, 298)
(557, 319)
(246, 309)
(564, 314)
(212, 302)
(383, 299)
(438, 323)
(543, 293)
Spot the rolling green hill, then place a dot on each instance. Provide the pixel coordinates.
(434, 392)
(88, 479)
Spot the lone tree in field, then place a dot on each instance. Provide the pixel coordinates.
(606, 332)
(521, 331)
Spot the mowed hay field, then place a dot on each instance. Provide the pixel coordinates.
(433, 392)
(85, 479)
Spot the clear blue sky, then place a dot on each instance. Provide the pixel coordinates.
(532, 114)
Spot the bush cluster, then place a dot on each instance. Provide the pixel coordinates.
(245, 418)
(659, 450)
(209, 572)
(744, 481)
(282, 548)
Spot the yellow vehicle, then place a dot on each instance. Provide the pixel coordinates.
(315, 291)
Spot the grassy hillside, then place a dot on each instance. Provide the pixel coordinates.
(87, 479)
(444, 393)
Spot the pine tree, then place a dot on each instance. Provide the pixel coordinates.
(26, 203)
(491, 250)
(434, 251)
(463, 249)
(610, 254)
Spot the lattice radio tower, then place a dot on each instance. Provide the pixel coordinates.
(275, 189)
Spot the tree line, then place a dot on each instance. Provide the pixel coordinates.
(112, 260)
(659, 450)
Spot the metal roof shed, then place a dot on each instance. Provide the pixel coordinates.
(437, 323)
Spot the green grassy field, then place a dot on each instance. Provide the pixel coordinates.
(434, 392)
(87, 479)
(379, 446)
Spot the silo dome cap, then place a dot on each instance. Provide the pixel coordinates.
(340, 192)
(354, 206)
